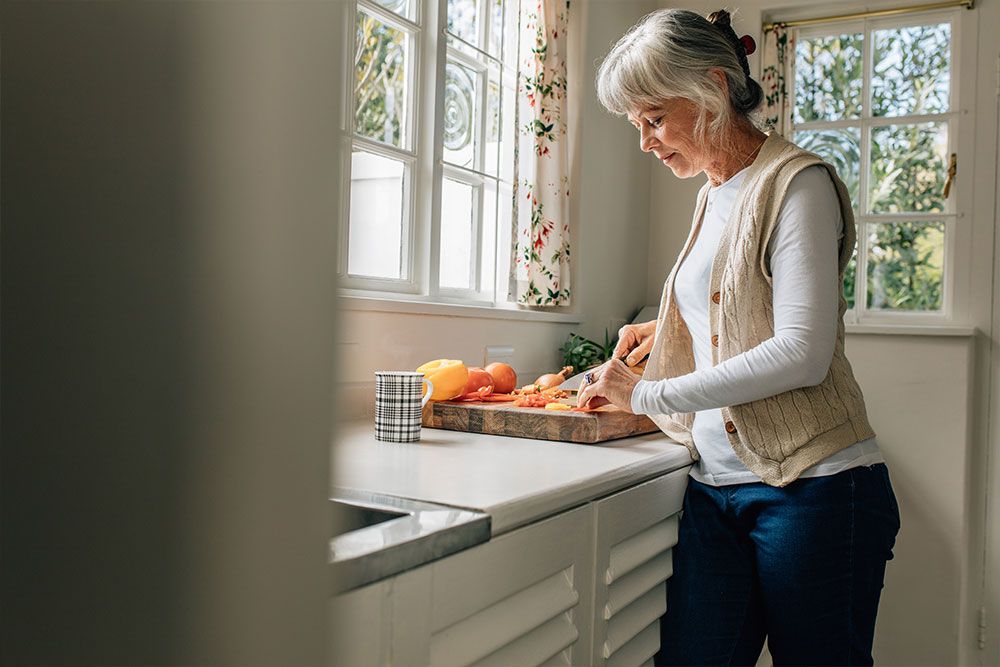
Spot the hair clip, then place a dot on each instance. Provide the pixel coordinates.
(748, 44)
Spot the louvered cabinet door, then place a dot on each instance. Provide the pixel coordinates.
(635, 532)
(521, 599)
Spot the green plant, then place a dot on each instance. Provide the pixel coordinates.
(582, 353)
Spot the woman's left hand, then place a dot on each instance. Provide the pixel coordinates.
(614, 381)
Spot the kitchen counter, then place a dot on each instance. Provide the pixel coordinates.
(516, 481)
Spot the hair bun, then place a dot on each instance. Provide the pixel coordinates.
(721, 18)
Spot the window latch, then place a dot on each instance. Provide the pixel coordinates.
(952, 171)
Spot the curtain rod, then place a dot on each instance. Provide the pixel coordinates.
(968, 4)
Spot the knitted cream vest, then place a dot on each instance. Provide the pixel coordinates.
(776, 438)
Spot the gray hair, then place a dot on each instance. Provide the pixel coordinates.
(668, 54)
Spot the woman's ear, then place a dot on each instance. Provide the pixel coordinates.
(719, 77)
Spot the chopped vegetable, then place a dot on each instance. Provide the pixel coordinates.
(448, 376)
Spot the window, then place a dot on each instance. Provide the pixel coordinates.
(431, 136)
(878, 100)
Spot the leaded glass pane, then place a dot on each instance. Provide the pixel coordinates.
(461, 114)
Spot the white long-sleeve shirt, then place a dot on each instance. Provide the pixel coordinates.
(803, 252)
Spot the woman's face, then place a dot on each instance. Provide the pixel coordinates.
(668, 132)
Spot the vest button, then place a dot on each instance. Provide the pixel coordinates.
(715, 340)
(730, 427)
(716, 297)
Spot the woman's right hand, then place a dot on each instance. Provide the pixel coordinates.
(635, 340)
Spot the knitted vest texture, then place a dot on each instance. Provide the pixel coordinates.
(779, 437)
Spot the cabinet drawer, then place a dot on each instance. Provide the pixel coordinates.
(635, 532)
(520, 599)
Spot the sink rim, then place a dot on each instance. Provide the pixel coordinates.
(424, 532)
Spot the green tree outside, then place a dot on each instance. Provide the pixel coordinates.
(908, 161)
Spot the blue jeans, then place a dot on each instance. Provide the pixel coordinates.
(801, 565)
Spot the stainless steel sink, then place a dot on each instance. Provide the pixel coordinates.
(348, 516)
(376, 536)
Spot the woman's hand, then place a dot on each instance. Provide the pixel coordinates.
(635, 340)
(613, 383)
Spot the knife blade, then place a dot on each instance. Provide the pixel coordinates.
(574, 383)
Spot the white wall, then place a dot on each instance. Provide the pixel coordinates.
(927, 396)
(918, 391)
(609, 221)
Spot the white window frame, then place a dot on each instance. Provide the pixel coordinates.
(409, 153)
(428, 53)
(957, 236)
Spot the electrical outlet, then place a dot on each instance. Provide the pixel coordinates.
(501, 353)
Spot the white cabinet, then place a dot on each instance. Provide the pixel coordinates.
(634, 533)
(521, 599)
(361, 623)
(585, 587)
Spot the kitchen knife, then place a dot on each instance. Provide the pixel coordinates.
(574, 383)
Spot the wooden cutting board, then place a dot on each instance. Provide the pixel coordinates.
(606, 423)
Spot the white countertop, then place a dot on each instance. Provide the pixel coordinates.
(515, 480)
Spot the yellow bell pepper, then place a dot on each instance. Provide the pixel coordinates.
(448, 377)
(558, 406)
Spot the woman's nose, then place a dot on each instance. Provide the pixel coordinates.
(645, 138)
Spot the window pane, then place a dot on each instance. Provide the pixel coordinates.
(850, 279)
(828, 78)
(510, 34)
(508, 136)
(463, 20)
(504, 254)
(457, 220)
(905, 265)
(401, 7)
(908, 168)
(487, 269)
(841, 148)
(461, 97)
(380, 72)
(912, 70)
(492, 152)
(496, 27)
(376, 226)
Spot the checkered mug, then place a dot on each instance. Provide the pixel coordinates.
(398, 405)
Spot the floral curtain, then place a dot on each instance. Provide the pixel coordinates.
(540, 226)
(777, 68)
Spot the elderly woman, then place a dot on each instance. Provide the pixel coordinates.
(789, 514)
